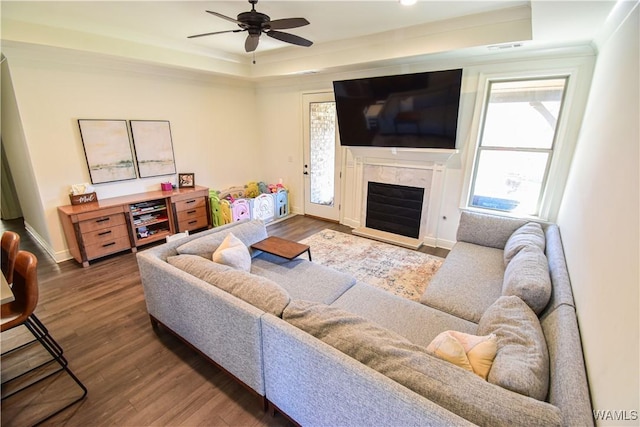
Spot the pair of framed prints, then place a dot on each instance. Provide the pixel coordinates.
(110, 154)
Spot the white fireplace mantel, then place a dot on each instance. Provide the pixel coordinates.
(404, 156)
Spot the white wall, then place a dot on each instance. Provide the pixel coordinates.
(279, 103)
(212, 124)
(599, 221)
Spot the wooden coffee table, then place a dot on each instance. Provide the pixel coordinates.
(282, 247)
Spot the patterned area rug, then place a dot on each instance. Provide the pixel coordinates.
(401, 271)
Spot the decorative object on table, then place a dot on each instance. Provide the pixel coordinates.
(107, 149)
(154, 148)
(166, 186)
(403, 272)
(186, 180)
(82, 193)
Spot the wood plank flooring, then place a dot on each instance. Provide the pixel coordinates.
(135, 375)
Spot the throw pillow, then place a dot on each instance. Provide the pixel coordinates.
(530, 234)
(234, 253)
(527, 277)
(471, 352)
(522, 361)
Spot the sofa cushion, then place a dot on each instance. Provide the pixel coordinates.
(530, 234)
(248, 232)
(258, 291)
(303, 279)
(471, 352)
(468, 282)
(234, 253)
(527, 277)
(417, 322)
(409, 365)
(522, 361)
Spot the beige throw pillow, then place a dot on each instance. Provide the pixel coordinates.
(234, 253)
(471, 352)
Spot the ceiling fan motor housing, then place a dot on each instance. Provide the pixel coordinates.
(254, 21)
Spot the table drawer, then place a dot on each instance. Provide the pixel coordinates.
(190, 204)
(105, 235)
(191, 213)
(193, 223)
(107, 247)
(107, 221)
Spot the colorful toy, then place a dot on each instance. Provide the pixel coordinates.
(251, 190)
(263, 187)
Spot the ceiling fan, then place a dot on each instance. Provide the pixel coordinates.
(256, 23)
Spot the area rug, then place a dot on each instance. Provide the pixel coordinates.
(398, 270)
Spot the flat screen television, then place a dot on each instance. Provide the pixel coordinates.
(417, 110)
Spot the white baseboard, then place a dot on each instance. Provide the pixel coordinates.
(56, 256)
(445, 244)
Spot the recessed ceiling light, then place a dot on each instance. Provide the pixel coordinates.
(408, 2)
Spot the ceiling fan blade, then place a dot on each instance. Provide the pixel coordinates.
(251, 43)
(215, 32)
(289, 38)
(235, 21)
(283, 24)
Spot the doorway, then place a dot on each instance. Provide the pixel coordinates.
(322, 156)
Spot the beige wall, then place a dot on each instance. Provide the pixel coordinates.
(212, 125)
(599, 222)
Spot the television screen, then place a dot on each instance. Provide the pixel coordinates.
(410, 110)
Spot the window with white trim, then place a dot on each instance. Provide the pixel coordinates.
(516, 144)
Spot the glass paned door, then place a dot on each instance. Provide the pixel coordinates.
(321, 156)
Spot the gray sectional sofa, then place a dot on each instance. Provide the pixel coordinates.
(324, 349)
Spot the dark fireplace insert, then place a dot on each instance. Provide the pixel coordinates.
(395, 209)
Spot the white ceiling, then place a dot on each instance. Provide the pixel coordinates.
(166, 24)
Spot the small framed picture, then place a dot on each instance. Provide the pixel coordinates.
(186, 180)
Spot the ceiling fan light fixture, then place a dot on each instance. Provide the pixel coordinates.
(408, 2)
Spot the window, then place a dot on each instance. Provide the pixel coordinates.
(516, 144)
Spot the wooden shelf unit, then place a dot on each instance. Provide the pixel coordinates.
(97, 229)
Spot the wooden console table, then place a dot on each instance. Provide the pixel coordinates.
(97, 229)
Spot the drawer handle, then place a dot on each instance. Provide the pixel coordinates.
(190, 201)
(102, 219)
(104, 233)
(193, 222)
(191, 212)
(108, 244)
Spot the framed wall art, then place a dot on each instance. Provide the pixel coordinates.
(153, 146)
(186, 180)
(107, 149)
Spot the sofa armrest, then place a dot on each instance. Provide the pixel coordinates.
(221, 326)
(487, 230)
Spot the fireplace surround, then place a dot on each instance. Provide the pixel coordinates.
(423, 169)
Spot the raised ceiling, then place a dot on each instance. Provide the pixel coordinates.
(344, 33)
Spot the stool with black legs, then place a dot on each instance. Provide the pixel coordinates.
(20, 312)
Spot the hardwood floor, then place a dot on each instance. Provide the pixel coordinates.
(135, 375)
